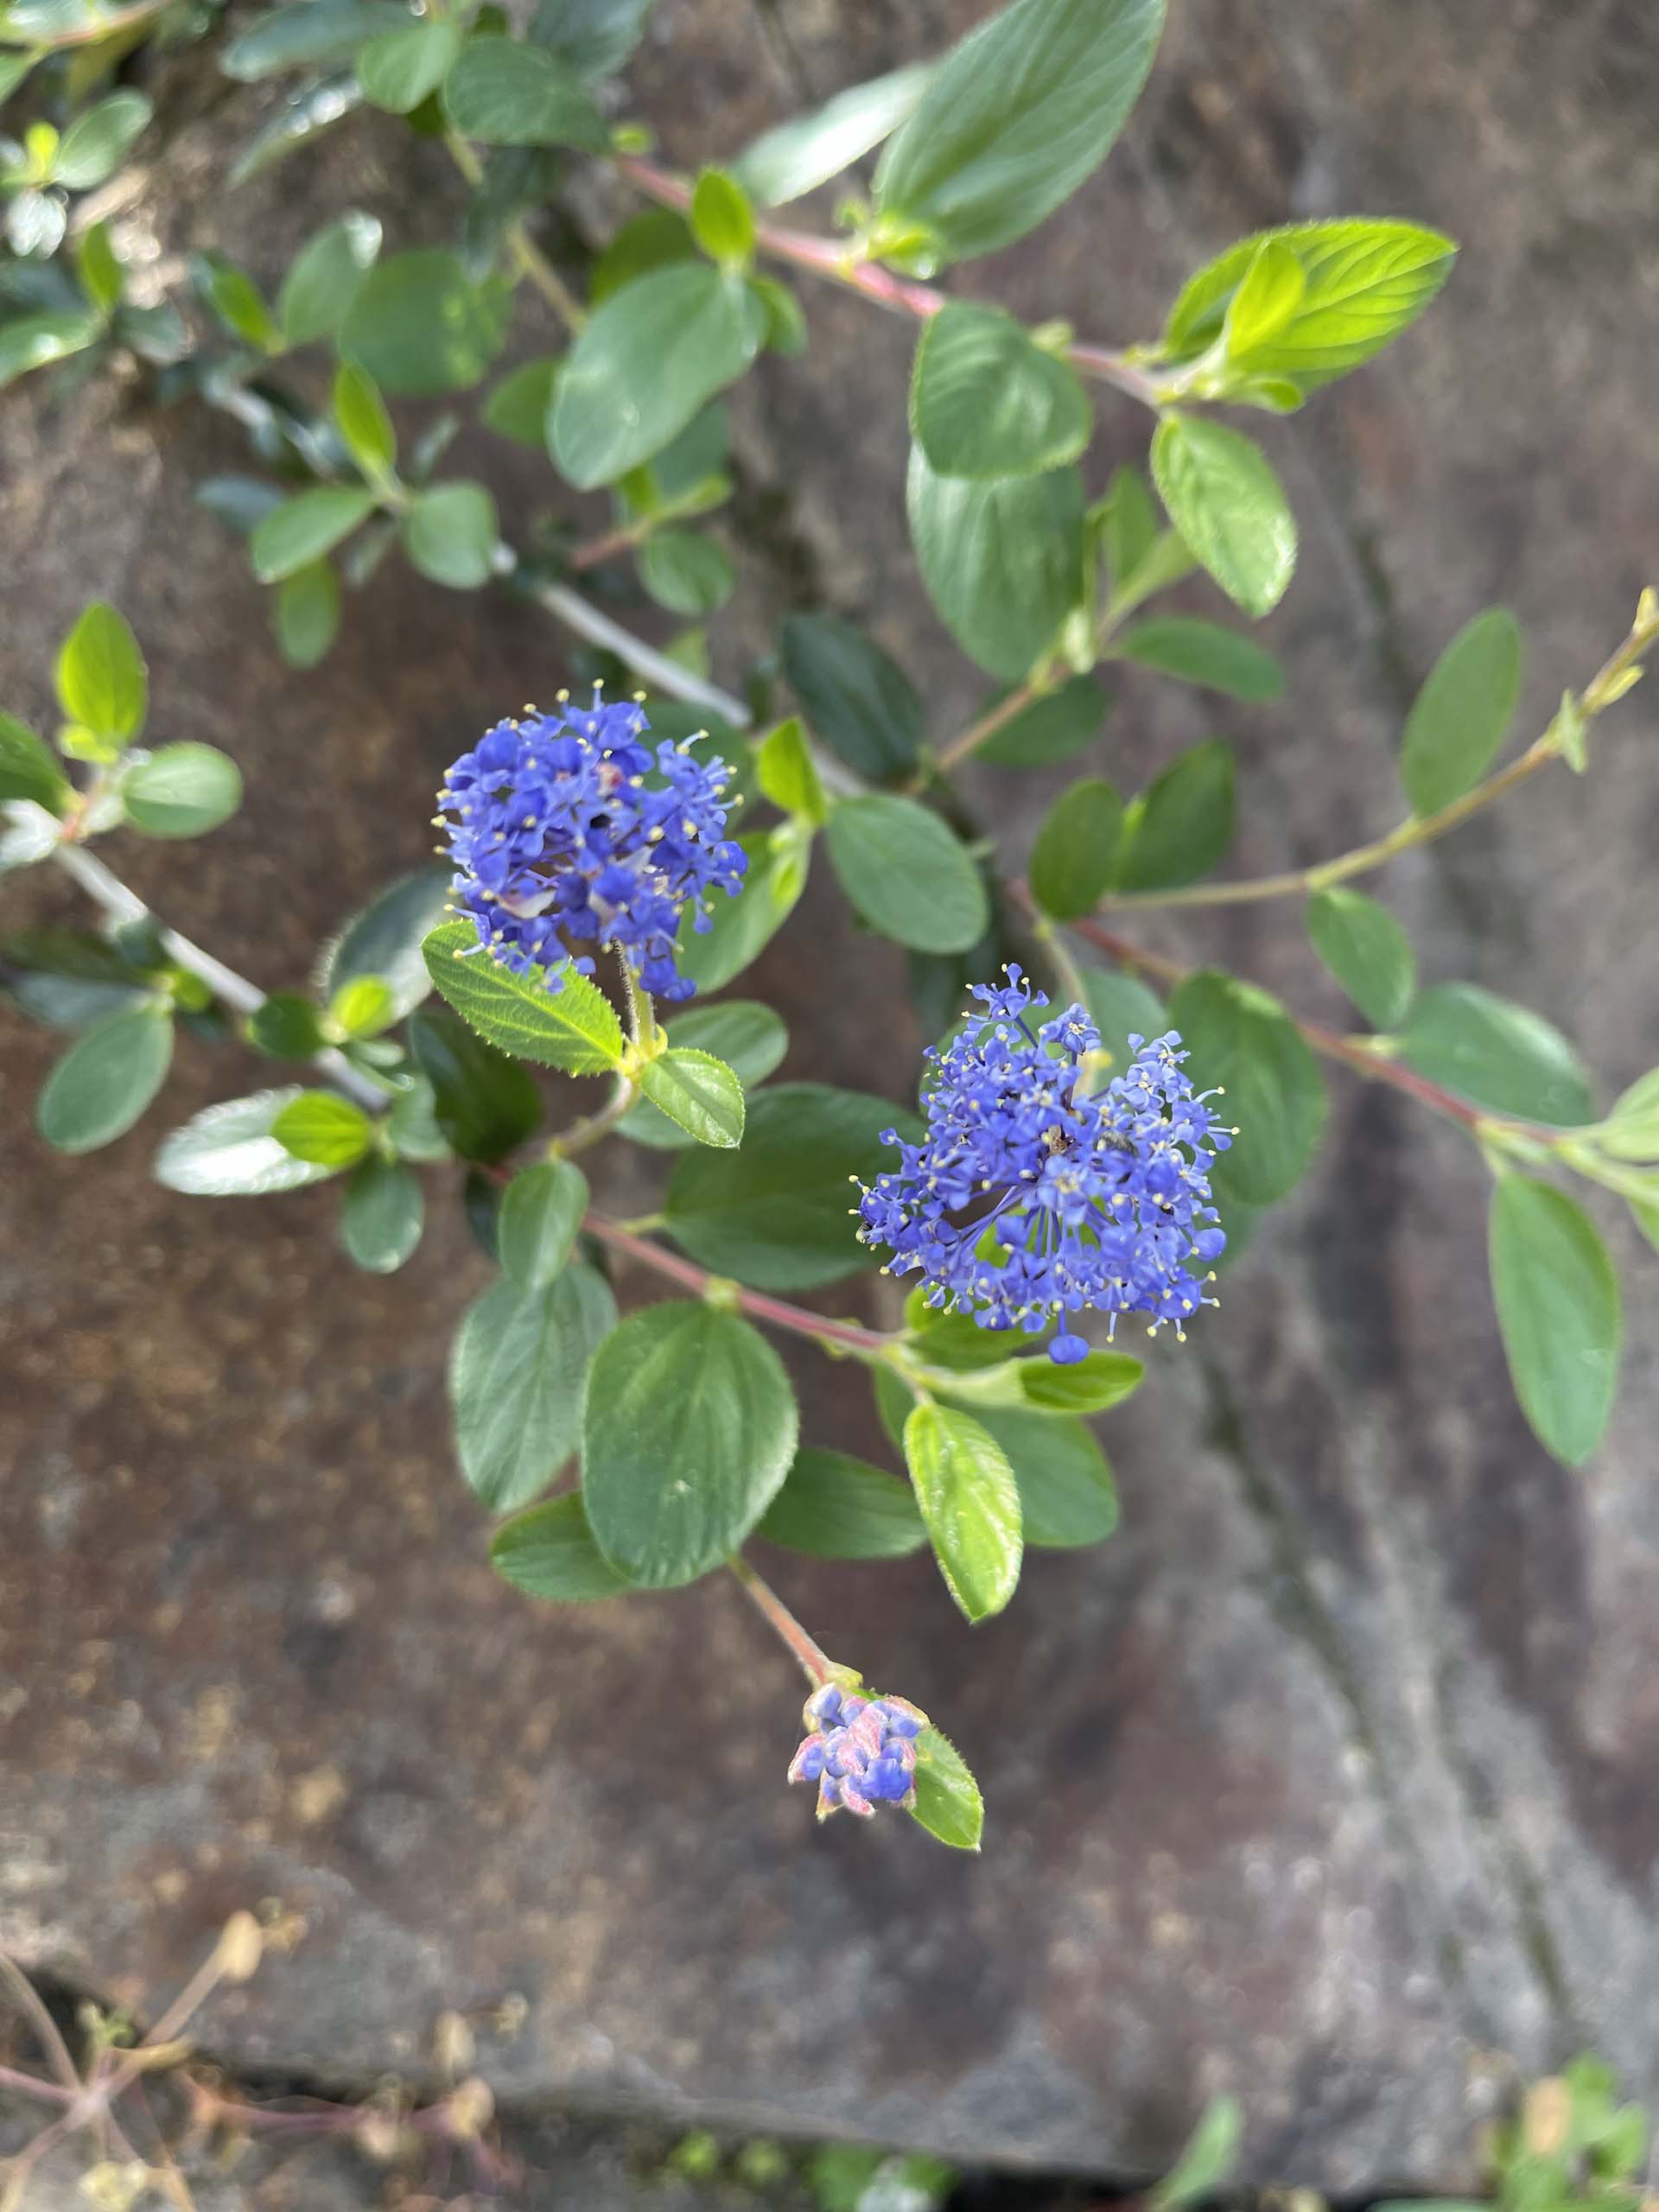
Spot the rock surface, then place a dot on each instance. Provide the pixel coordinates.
(1329, 1781)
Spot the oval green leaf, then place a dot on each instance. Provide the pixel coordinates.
(835, 1507)
(1498, 1055)
(504, 93)
(105, 1080)
(228, 1151)
(182, 791)
(1458, 719)
(381, 1215)
(1228, 506)
(518, 1371)
(541, 1212)
(450, 535)
(420, 326)
(1002, 561)
(855, 697)
(698, 1092)
(550, 1552)
(985, 401)
(1074, 852)
(1559, 1309)
(907, 874)
(302, 529)
(1180, 826)
(747, 1036)
(1367, 951)
(970, 1503)
(1203, 652)
(1241, 1040)
(1067, 1496)
(101, 679)
(574, 1028)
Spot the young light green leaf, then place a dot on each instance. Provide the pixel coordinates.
(970, 1503)
(484, 1104)
(420, 326)
(575, 1027)
(722, 221)
(27, 769)
(690, 1428)
(986, 401)
(699, 1092)
(303, 529)
(855, 697)
(237, 301)
(1367, 951)
(1072, 855)
(741, 928)
(105, 1080)
(363, 423)
(517, 1382)
(747, 1036)
(550, 1552)
(1002, 561)
(808, 150)
(1012, 121)
(541, 1212)
(504, 93)
(1091, 1385)
(1243, 1042)
(323, 1129)
(364, 1006)
(1557, 1307)
(101, 679)
(1267, 297)
(97, 142)
(1228, 506)
(450, 535)
(401, 69)
(1067, 1496)
(99, 266)
(228, 1151)
(305, 612)
(833, 1507)
(1206, 2160)
(1498, 1055)
(324, 276)
(381, 1215)
(1458, 718)
(777, 1213)
(1179, 827)
(787, 774)
(948, 1804)
(645, 362)
(1052, 728)
(182, 791)
(906, 874)
(687, 571)
(1203, 652)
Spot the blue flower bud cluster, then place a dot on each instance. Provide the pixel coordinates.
(1029, 1199)
(569, 830)
(860, 1750)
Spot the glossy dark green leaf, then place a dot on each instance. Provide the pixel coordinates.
(105, 1080)
(687, 571)
(1067, 1496)
(324, 276)
(1498, 1055)
(1002, 561)
(594, 37)
(1242, 1041)
(541, 1212)
(484, 1102)
(182, 791)
(287, 1027)
(384, 938)
(507, 94)
(906, 874)
(307, 33)
(101, 679)
(300, 531)
(698, 1092)
(1052, 728)
(855, 697)
(420, 326)
(400, 68)
(689, 1432)
(1014, 118)
(808, 150)
(1180, 826)
(986, 401)
(1228, 506)
(833, 1507)
(1458, 719)
(550, 1552)
(381, 1215)
(970, 1503)
(1367, 951)
(1091, 1385)
(1074, 852)
(518, 1380)
(948, 1804)
(450, 535)
(574, 1028)
(228, 1151)
(1203, 652)
(1558, 1308)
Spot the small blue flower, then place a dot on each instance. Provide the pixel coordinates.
(860, 1750)
(1028, 1200)
(569, 829)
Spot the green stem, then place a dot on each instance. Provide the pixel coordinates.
(816, 1663)
(532, 261)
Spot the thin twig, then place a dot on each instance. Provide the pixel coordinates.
(532, 261)
(816, 1663)
(776, 1311)
(33, 2009)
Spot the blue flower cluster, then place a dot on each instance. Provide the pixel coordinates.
(860, 1750)
(1028, 1199)
(569, 828)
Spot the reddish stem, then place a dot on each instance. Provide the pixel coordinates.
(754, 1302)
(816, 1662)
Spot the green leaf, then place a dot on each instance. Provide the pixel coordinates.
(1072, 855)
(1002, 562)
(722, 221)
(971, 1502)
(777, 1213)
(34, 341)
(687, 571)
(550, 1552)
(1067, 1496)
(1202, 652)
(99, 266)
(287, 1027)
(420, 326)
(519, 1372)
(237, 301)
(1121, 1005)
(808, 150)
(698, 1092)
(483, 1103)
(27, 769)
(363, 423)
(311, 32)
(1130, 524)
(228, 1151)
(1498, 1055)
(747, 1036)
(182, 791)
(305, 610)
(324, 276)
(105, 1080)
(906, 874)
(401, 69)
(948, 1804)
(1052, 728)
(1091, 1385)
(1014, 120)
(450, 535)
(381, 1215)
(656, 239)
(1206, 2160)
(384, 939)
(855, 697)
(101, 680)
(1367, 951)
(1179, 827)
(1265, 302)
(574, 1028)
(541, 1212)
(323, 1129)
(985, 401)
(1557, 1307)
(1364, 281)
(300, 531)
(645, 362)
(1228, 506)
(593, 37)
(689, 1430)
(517, 409)
(96, 142)
(1242, 1041)
(508, 94)
(1631, 1129)
(741, 928)
(1458, 718)
(833, 1507)
(787, 773)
